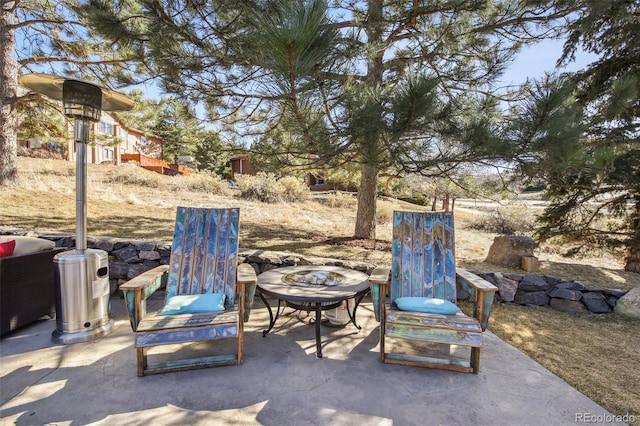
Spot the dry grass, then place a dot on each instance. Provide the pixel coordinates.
(597, 355)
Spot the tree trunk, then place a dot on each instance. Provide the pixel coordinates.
(632, 262)
(8, 93)
(367, 197)
(445, 203)
(370, 150)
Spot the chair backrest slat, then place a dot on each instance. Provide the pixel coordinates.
(204, 252)
(423, 256)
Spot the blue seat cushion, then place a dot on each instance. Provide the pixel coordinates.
(427, 304)
(194, 304)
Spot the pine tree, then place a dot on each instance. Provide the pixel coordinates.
(392, 86)
(582, 137)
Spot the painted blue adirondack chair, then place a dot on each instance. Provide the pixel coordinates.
(422, 305)
(208, 296)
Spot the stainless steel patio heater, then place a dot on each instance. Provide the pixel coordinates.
(81, 275)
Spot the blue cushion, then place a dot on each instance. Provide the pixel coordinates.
(427, 304)
(194, 304)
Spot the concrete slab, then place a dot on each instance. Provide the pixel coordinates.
(280, 383)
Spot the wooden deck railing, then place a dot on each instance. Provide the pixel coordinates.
(156, 165)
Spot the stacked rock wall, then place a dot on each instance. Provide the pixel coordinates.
(546, 290)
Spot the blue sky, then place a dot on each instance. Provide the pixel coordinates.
(533, 61)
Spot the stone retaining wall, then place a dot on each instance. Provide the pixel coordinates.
(545, 290)
(130, 258)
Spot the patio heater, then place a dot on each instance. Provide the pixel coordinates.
(81, 275)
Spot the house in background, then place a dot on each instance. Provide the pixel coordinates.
(144, 142)
(103, 149)
(316, 182)
(133, 143)
(240, 166)
(110, 140)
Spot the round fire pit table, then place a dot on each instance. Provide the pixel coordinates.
(313, 288)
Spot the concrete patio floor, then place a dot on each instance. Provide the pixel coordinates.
(280, 383)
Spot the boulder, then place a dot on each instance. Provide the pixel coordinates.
(113, 286)
(149, 255)
(507, 250)
(145, 245)
(562, 293)
(612, 301)
(570, 285)
(263, 256)
(517, 277)
(105, 245)
(614, 292)
(137, 269)
(536, 298)
(118, 269)
(66, 242)
(595, 302)
(553, 280)
(629, 304)
(127, 254)
(534, 283)
(506, 287)
(567, 305)
(120, 244)
(488, 276)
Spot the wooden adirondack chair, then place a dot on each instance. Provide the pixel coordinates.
(423, 267)
(203, 267)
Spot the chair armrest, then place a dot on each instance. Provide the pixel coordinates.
(482, 292)
(246, 282)
(378, 281)
(380, 275)
(246, 274)
(137, 290)
(145, 279)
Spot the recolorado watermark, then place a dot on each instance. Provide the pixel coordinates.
(604, 418)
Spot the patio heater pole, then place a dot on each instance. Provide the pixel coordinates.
(82, 129)
(81, 275)
(82, 101)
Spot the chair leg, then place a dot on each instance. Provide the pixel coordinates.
(142, 361)
(475, 360)
(241, 317)
(240, 349)
(382, 348)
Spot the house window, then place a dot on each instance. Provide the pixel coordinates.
(122, 134)
(106, 128)
(107, 153)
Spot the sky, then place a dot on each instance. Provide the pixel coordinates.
(533, 61)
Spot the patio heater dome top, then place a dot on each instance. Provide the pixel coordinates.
(81, 98)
